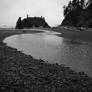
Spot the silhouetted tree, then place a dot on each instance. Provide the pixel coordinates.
(74, 6)
(19, 24)
(75, 12)
(74, 3)
(65, 10)
(82, 3)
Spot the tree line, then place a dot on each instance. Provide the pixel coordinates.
(74, 10)
(78, 5)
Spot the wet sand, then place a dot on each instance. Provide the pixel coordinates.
(23, 73)
(75, 34)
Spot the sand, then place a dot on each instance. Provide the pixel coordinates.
(23, 73)
(75, 34)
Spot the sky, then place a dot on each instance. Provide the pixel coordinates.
(11, 10)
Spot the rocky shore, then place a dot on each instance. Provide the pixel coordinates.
(23, 73)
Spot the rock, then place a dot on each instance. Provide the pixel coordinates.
(31, 22)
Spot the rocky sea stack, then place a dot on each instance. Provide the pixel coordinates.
(31, 22)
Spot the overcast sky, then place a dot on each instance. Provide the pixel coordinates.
(10, 10)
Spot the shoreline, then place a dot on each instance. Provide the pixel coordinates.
(75, 34)
(23, 73)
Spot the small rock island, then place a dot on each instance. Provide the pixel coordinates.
(31, 22)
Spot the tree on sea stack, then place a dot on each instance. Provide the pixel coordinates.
(19, 24)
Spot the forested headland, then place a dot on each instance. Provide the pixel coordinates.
(78, 13)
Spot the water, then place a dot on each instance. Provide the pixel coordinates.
(54, 49)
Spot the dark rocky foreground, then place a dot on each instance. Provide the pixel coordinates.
(22, 73)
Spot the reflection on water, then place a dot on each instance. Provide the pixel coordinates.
(54, 49)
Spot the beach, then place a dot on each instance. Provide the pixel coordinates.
(23, 73)
(75, 33)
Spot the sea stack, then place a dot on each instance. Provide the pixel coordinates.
(30, 22)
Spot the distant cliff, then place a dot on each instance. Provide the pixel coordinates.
(78, 13)
(30, 22)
